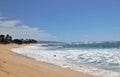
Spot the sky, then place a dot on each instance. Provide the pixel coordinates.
(61, 20)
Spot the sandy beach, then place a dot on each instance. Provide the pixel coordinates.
(13, 65)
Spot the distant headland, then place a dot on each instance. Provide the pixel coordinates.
(6, 39)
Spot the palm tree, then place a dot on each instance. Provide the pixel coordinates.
(2, 38)
(8, 39)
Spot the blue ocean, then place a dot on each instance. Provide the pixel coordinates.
(101, 59)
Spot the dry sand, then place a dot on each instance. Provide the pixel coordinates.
(13, 65)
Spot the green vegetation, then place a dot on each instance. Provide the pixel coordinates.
(6, 39)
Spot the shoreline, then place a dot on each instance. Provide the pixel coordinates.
(82, 68)
(12, 65)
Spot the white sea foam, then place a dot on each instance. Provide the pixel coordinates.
(72, 59)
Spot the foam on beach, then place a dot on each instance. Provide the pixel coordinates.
(76, 60)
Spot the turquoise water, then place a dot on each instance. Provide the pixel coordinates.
(104, 54)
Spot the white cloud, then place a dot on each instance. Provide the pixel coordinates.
(9, 23)
(18, 30)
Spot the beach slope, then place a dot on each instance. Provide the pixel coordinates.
(13, 65)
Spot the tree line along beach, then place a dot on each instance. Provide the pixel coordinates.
(6, 39)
